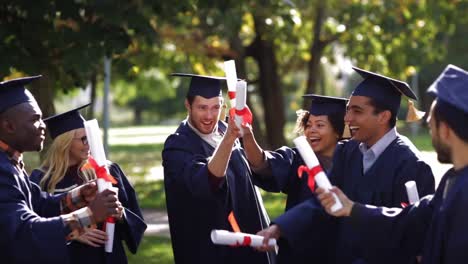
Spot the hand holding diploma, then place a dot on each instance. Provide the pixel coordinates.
(105, 180)
(238, 239)
(314, 169)
(327, 199)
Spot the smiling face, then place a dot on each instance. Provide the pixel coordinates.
(79, 151)
(365, 124)
(321, 135)
(204, 113)
(25, 123)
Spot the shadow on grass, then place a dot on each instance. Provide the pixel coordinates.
(153, 250)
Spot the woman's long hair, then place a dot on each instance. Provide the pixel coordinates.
(57, 161)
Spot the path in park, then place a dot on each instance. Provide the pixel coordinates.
(158, 223)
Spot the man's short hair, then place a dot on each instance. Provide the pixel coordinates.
(455, 118)
(379, 107)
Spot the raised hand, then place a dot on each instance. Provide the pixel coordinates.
(327, 200)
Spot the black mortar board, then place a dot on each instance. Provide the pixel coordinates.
(326, 105)
(452, 88)
(13, 92)
(202, 85)
(383, 89)
(64, 122)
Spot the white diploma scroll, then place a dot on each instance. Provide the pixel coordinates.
(412, 191)
(95, 142)
(223, 237)
(311, 161)
(231, 79)
(97, 151)
(241, 98)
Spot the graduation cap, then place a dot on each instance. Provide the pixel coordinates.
(64, 122)
(383, 89)
(326, 105)
(451, 87)
(202, 85)
(13, 92)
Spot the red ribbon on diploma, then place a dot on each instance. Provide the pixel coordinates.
(101, 171)
(246, 114)
(312, 172)
(232, 95)
(245, 243)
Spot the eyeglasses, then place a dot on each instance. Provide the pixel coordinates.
(83, 139)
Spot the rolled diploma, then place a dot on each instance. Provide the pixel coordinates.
(224, 237)
(97, 151)
(231, 79)
(311, 161)
(95, 143)
(241, 98)
(412, 191)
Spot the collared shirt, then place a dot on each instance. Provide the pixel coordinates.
(213, 138)
(370, 155)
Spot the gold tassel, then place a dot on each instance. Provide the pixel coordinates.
(413, 113)
(346, 131)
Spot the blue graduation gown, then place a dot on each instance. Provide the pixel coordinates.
(436, 226)
(195, 208)
(382, 185)
(283, 164)
(130, 230)
(26, 236)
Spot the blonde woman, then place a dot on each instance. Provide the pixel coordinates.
(62, 170)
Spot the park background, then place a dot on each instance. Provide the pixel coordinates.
(283, 48)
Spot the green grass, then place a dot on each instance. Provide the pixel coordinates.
(153, 250)
(151, 194)
(274, 203)
(136, 160)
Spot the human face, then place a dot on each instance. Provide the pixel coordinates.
(320, 134)
(79, 148)
(363, 122)
(204, 113)
(29, 127)
(443, 150)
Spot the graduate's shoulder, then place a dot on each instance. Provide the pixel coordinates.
(180, 138)
(404, 146)
(37, 175)
(347, 146)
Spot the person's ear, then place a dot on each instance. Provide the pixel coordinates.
(187, 105)
(444, 131)
(384, 117)
(7, 126)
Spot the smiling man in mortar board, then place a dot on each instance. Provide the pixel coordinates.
(208, 180)
(435, 226)
(27, 235)
(372, 167)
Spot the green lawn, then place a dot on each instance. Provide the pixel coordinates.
(153, 249)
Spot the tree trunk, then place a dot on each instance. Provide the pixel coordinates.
(93, 83)
(137, 116)
(316, 51)
(236, 45)
(262, 50)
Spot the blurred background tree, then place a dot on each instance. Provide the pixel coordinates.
(284, 48)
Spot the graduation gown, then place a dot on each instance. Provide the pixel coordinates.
(195, 207)
(382, 185)
(283, 164)
(436, 226)
(28, 237)
(130, 230)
